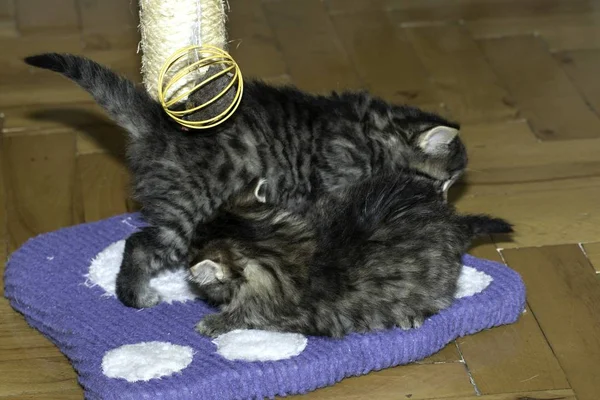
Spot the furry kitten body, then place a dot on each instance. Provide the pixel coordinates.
(306, 145)
(384, 252)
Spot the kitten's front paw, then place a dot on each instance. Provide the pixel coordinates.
(410, 323)
(133, 281)
(136, 294)
(417, 322)
(213, 325)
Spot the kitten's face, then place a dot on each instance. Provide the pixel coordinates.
(441, 155)
(226, 269)
(428, 142)
(217, 271)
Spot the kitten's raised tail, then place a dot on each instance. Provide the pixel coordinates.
(485, 225)
(129, 106)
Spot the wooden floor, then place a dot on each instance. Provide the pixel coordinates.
(523, 76)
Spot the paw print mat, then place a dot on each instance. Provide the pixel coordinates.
(63, 283)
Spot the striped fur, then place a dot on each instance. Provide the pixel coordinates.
(384, 252)
(306, 145)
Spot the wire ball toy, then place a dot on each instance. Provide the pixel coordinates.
(207, 56)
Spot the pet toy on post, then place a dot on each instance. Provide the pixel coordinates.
(184, 61)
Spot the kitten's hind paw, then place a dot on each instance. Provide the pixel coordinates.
(213, 325)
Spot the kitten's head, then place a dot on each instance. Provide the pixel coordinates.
(225, 267)
(440, 154)
(217, 271)
(218, 266)
(421, 140)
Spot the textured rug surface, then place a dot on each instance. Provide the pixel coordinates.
(63, 282)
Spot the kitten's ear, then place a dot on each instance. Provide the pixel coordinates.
(436, 140)
(207, 271)
(260, 192)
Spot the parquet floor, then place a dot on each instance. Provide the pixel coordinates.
(523, 76)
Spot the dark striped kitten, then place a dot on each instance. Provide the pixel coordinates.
(305, 144)
(384, 252)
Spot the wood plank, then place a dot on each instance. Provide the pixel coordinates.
(463, 79)
(561, 394)
(543, 213)
(448, 354)
(3, 220)
(104, 185)
(565, 304)
(252, 42)
(39, 375)
(354, 6)
(125, 61)
(21, 84)
(3, 259)
(8, 25)
(3, 231)
(12, 68)
(280, 80)
(51, 88)
(40, 175)
(486, 249)
(592, 252)
(542, 91)
(125, 38)
(106, 138)
(8, 28)
(34, 16)
(512, 358)
(18, 341)
(50, 117)
(107, 15)
(401, 78)
(582, 67)
(71, 394)
(315, 57)
(43, 94)
(415, 381)
(560, 32)
(493, 148)
(424, 12)
(7, 9)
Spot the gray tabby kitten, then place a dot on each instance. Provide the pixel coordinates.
(384, 252)
(306, 145)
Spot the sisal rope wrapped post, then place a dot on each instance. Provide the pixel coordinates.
(169, 25)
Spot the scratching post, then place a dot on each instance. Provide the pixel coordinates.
(168, 25)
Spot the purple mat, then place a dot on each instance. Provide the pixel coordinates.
(45, 280)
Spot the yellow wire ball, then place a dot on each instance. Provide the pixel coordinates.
(208, 56)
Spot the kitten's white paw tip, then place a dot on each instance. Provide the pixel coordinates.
(146, 360)
(471, 281)
(257, 345)
(170, 285)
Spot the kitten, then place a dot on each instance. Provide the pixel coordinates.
(305, 145)
(384, 252)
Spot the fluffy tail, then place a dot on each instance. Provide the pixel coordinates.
(130, 107)
(485, 225)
